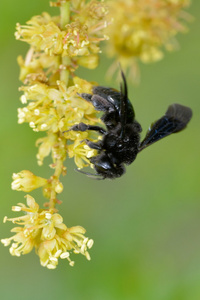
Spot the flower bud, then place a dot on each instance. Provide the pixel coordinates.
(89, 62)
(26, 181)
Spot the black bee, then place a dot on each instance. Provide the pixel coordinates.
(121, 138)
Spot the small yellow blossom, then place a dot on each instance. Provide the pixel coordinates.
(76, 40)
(45, 145)
(45, 231)
(81, 153)
(89, 62)
(38, 66)
(58, 187)
(42, 33)
(26, 181)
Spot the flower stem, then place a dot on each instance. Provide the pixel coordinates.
(64, 76)
(60, 158)
(64, 14)
(64, 19)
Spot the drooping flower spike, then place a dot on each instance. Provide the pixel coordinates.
(51, 104)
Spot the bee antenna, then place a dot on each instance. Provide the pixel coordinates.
(124, 99)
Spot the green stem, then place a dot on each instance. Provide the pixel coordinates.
(65, 18)
(58, 171)
(64, 14)
(64, 73)
(64, 76)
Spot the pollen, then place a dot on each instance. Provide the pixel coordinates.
(16, 208)
(48, 216)
(32, 124)
(23, 99)
(43, 126)
(64, 255)
(90, 243)
(37, 112)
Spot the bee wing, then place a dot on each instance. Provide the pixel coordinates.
(175, 119)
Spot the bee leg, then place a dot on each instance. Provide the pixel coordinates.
(85, 96)
(99, 103)
(102, 104)
(92, 145)
(83, 127)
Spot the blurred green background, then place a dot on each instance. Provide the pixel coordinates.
(146, 225)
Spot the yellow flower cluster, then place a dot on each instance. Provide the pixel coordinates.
(141, 28)
(45, 231)
(54, 106)
(79, 38)
(56, 109)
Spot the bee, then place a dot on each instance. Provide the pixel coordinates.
(120, 141)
